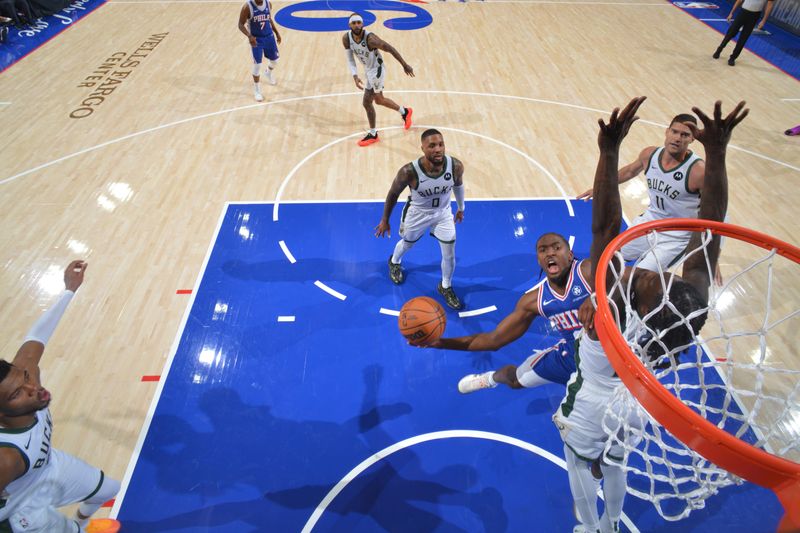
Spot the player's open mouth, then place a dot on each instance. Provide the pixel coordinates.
(552, 267)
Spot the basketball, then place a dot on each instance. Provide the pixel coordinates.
(422, 320)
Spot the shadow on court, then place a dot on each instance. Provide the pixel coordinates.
(239, 455)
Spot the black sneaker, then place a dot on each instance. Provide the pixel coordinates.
(450, 297)
(396, 272)
(731, 61)
(716, 53)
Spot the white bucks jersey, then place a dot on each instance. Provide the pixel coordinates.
(592, 362)
(432, 192)
(33, 443)
(669, 190)
(371, 59)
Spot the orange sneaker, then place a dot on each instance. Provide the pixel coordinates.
(407, 118)
(369, 139)
(103, 525)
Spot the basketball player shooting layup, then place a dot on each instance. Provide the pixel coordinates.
(367, 47)
(36, 478)
(557, 299)
(430, 179)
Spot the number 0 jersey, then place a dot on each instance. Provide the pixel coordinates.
(432, 192)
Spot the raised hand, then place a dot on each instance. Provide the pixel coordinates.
(619, 123)
(717, 131)
(73, 275)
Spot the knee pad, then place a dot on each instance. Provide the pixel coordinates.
(256, 68)
(273, 63)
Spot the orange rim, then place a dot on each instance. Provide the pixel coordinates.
(723, 449)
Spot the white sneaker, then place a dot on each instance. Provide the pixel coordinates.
(474, 382)
(259, 97)
(270, 77)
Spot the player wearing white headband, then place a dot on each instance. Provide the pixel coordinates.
(367, 46)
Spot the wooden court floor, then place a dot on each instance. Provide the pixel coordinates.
(137, 186)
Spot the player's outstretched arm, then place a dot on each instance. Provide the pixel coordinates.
(607, 208)
(507, 331)
(626, 173)
(373, 41)
(30, 353)
(405, 178)
(714, 136)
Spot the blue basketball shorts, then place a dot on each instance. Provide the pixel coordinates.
(265, 47)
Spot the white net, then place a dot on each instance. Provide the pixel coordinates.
(740, 373)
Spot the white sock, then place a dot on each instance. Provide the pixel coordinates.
(490, 378)
(400, 250)
(614, 489)
(448, 262)
(402, 110)
(583, 488)
(373, 131)
(256, 87)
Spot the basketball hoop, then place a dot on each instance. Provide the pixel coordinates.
(704, 403)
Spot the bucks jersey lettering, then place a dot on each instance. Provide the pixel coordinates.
(433, 192)
(371, 59)
(34, 444)
(669, 189)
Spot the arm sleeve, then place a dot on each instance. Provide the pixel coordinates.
(351, 61)
(43, 329)
(458, 191)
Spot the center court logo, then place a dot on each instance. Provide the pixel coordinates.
(292, 16)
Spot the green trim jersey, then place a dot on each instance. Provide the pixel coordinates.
(432, 192)
(669, 190)
(371, 59)
(33, 443)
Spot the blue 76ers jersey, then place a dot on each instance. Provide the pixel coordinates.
(562, 311)
(259, 19)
